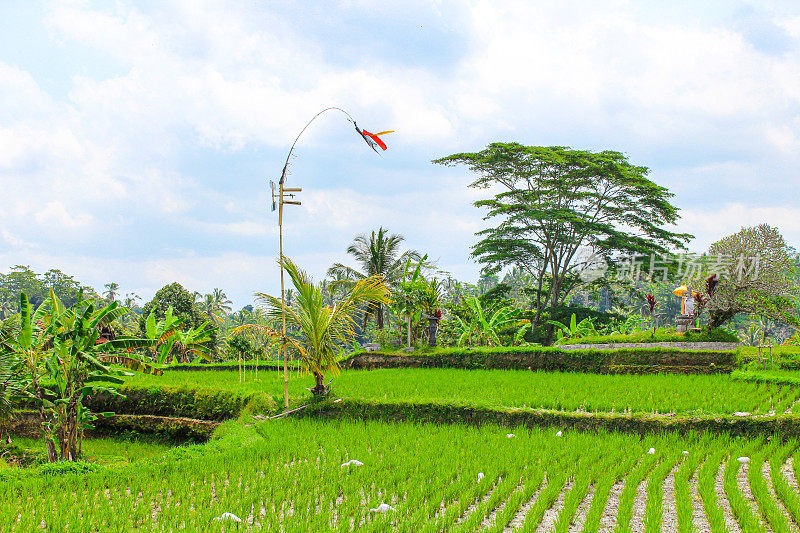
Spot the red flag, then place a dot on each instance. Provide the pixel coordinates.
(373, 138)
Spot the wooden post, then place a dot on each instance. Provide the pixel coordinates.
(284, 351)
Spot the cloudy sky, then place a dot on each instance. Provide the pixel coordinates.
(137, 139)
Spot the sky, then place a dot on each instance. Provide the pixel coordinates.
(137, 140)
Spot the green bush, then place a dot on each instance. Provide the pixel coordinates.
(180, 402)
(544, 334)
(661, 335)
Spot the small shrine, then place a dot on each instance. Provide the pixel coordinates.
(688, 314)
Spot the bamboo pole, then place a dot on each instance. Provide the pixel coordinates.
(284, 352)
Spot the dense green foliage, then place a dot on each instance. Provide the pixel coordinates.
(553, 201)
(661, 335)
(63, 354)
(37, 286)
(636, 360)
(169, 399)
(761, 277)
(377, 255)
(182, 303)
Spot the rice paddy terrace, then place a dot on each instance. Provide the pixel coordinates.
(304, 475)
(321, 472)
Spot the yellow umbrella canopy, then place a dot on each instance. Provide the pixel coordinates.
(680, 291)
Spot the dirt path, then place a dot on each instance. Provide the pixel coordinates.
(609, 519)
(474, 505)
(519, 518)
(699, 518)
(788, 473)
(582, 511)
(767, 475)
(747, 493)
(639, 506)
(551, 515)
(719, 488)
(669, 518)
(490, 520)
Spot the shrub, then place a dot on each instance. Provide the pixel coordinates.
(661, 335)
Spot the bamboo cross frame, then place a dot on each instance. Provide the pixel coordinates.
(281, 197)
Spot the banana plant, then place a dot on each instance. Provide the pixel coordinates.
(575, 329)
(163, 333)
(65, 347)
(484, 325)
(11, 382)
(193, 342)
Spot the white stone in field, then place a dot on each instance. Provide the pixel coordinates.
(559, 433)
(651, 451)
(354, 462)
(382, 508)
(480, 476)
(228, 516)
(741, 413)
(510, 435)
(743, 459)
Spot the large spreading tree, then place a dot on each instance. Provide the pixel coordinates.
(756, 273)
(553, 201)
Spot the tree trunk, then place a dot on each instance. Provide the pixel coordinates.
(719, 317)
(319, 389)
(52, 456)
(379, 316)
(409, 331)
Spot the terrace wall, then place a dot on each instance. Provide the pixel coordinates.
(617, 361)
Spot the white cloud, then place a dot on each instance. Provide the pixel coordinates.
(711, 224)
(55, 217)
(236, 82)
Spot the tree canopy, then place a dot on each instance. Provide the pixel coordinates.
(378, 255)
(555, 200)
(37, 286)
(182, 303)
(756, 274)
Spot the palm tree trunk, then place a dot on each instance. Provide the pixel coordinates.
(379, 316)
(319, 388)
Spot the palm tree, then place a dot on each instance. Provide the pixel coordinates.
(321, 330)
(111, 291)
(130, 300)
(378, 255)
(222, 304)
(215, 305)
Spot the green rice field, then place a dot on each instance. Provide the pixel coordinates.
(95, 450)
(667, 393)
(288, 475)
